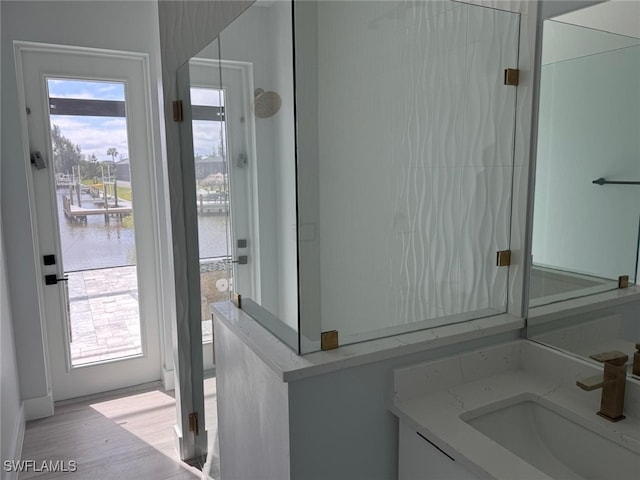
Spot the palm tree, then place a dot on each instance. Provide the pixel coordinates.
(113, 152)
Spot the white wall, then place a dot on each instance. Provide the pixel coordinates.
(563, 41)
(129, 26)
(253, 412)
(589, 128)
(587, 333)
(12, 422)
(616, 16)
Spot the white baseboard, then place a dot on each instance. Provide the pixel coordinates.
(39, 407)
(178, 442)
(168, 379)
(17, 440)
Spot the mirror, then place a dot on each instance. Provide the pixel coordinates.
(587, 182)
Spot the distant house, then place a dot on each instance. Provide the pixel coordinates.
(206, 166)
(122, 170)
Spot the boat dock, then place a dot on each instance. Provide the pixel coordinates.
(213, 204)
(77, 213)
(64, 181)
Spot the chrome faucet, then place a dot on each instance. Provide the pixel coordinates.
(613, 383)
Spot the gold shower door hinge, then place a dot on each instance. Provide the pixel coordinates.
(329, 340)
(193, 422)
(511, 76)
(177, 111)
(503, 258)
(237, 300)
(623, 281)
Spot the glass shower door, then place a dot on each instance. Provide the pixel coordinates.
(406, 198)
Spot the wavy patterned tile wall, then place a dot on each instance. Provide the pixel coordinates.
(416, 161)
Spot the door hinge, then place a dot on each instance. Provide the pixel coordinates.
(237, 300)
(329, 340)
(503, 258)
(177, 111)
(623, 281)
(193, 422)
(511, 76)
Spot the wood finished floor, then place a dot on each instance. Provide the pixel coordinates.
(118, 437)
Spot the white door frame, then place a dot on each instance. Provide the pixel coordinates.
(35, 137)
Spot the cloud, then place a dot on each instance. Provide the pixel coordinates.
(88, 90)
(207, 96)
(206, 137)
(206, 133)
(95, 135)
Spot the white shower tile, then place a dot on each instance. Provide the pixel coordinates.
(484, 230)
(518, 232)
(490, 105)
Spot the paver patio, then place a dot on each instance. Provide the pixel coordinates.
(105, 320)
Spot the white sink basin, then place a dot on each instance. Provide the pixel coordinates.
(542, 434)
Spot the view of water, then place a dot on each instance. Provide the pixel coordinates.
(98, 244)
(212, 234)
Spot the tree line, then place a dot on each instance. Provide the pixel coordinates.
(67, 156)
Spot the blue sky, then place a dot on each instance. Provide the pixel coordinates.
(94, 134)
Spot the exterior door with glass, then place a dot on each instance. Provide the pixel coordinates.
(88, 129)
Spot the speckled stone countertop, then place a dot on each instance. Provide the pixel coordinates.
(434, 398)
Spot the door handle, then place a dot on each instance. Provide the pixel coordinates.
(53, 279)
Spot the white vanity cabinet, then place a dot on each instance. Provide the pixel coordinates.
(421, 460)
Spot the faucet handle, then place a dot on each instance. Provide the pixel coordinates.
(591, 383)
(613, 357)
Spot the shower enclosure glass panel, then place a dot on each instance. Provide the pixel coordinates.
(256, 55)
(405, 134)
(370, 164)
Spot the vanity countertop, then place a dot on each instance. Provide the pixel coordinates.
(432, 397)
